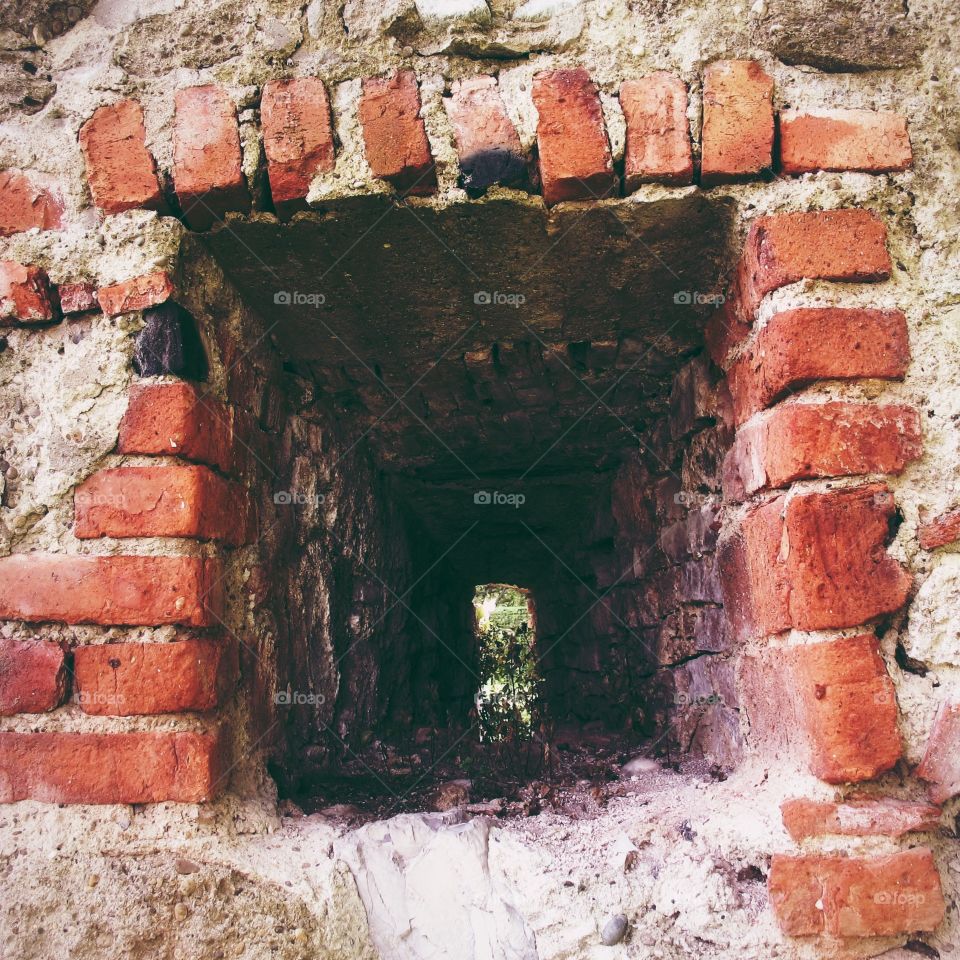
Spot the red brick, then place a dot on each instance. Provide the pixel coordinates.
(25, 294)
(941, 761)
(394, 135)
(828, 707)
(841, 574)
(878, 896)
(174, 501)
(737, 122)
(800, 441)
(111, 767)
(138, 293)
(846, 707)
(121, 171)
(812, 562)
(754, 575)
(574, 152)
(487, 141)
(33, 676)
(146, 590)
(207, 163)
(839, 245)
(940, 531)
(885, 817)
(297, 138)
(844, 140)
(77, 297)
(658, 146)
(175, 419)
(132, 679)
(797, 347)
(24, 205)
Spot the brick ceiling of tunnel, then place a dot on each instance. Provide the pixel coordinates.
(486, 343)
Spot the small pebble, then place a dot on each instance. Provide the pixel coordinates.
(614, 930)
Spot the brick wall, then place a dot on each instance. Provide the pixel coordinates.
(739, 594)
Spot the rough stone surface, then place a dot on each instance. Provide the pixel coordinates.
(853, 35)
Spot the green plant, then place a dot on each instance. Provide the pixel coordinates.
(508, 701)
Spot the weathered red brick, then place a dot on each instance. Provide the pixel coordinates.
(207, 163)
(753, 573)
(487, 141)
(886, 817)
(844, 140)
(658, 148)
(797, 347)
(111, 767)
(121, 171)
(78, 297)
(25, 294)
(33, 676)
(840, 245)
(941, 761)
(940, 531)
(812, 562)
(168, 501)
(737, 122)
(24, 205)
(841, 574)
(132, 679)
(799, 441)
(175, 419)
(878, 896)
(829, 707)
(394, 135)
(846, 707)
(297, 138)
(138, 293)
(574, 152)
(141, 590)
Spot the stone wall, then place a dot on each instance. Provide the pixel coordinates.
(286, 290)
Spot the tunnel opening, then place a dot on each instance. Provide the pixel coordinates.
(508, 700)
(429, 436)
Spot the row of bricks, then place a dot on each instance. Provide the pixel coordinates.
(797, 347)
(818, 560)
(181, 500)
(28, 296)
(117, 679)
(195, 673)
(573, 147)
